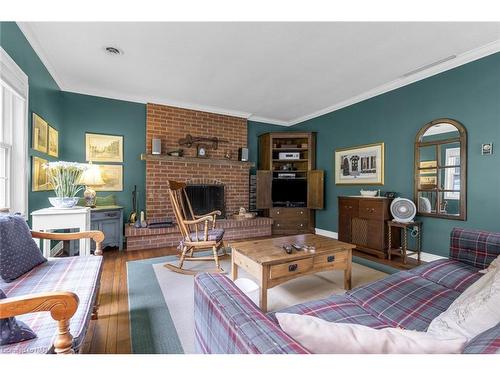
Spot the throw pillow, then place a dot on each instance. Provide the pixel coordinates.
(13, 331)
(320, 336)
(476, 310)
(18, 252)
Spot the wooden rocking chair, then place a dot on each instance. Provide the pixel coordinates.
(195, 231)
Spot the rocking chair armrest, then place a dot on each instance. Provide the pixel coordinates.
(199, 220)
(213, 213)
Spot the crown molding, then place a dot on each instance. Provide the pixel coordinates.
(144, 99)
(461, 59)
(37, 47)
(267, 120)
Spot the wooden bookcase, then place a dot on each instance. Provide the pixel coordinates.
(289, 217)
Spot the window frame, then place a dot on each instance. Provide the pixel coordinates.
(16, 81)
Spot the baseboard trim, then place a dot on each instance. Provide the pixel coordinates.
(326, 233)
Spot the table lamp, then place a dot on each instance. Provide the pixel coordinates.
(91, 177)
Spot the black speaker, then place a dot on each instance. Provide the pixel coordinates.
(243, 154)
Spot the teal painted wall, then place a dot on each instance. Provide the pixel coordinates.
(469, 94)
(85, 113)
(44, 96)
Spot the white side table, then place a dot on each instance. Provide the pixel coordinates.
(50, 219)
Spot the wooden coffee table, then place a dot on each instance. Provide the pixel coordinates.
(270, 265)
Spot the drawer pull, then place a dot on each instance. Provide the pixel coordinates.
(330, 258)
(110, 215)
(292, 267)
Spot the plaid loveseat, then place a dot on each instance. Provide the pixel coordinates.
(227, 321)
(80, 275)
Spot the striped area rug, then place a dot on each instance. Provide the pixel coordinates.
(161, 301)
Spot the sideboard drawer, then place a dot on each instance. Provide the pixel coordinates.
(106, 215)
(282, 270)
(348, 206)
(371, 209)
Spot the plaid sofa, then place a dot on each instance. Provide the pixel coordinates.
(227, 321)
(80, 275)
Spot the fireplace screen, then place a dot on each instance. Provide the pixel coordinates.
(206, 198)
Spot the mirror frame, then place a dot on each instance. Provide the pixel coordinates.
(462, 139)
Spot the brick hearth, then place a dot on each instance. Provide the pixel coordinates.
(145, 238)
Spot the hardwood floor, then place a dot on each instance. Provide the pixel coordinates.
(110, 334)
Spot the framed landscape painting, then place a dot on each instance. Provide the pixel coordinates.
(39, 178)
(40, 134)
(53, 148)
(104, 148)
(360, 165)
(112, 176)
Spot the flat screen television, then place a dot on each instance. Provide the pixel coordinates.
(289, 192)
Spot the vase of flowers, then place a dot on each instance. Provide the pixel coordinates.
(64, 177)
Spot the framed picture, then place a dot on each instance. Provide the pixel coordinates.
(39, 178)
(103, 148)
(53, 149)
(40, 134)
(360, 165)
(112, 176)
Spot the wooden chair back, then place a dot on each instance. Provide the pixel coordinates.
(181, 205)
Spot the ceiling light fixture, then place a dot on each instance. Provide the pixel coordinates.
(113, 51)
(425, 67)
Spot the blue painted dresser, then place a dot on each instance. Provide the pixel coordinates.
(109, 220)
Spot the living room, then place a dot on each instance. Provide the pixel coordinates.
(249, 187)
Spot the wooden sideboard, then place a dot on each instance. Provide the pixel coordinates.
(362, 222)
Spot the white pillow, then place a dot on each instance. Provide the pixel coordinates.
(493, 265)
(476, 310)
(320, 336)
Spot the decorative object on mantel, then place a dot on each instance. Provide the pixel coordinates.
(197, 160)
(156, 146)
(242, 214)
(360, 165)
(190, 141)
(179, 152)
(91, 177)
(201, 151)
(64, 177)
(227, 154)
(133, 215)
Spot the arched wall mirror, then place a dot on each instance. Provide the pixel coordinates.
(441, 170)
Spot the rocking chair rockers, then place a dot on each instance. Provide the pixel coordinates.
(194, 238)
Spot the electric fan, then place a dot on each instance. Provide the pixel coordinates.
(403, 210)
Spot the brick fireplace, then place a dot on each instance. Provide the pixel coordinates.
(170, 124)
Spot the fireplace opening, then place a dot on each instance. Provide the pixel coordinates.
(205, 198)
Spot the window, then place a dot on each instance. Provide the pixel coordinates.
(452, 175)
(13, 136)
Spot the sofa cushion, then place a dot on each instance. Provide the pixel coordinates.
(473, 247)
(487, 342)
(18, 252)
(79, 275)
(448, 273)
(337, 308)
(12, 330)
(404, 300)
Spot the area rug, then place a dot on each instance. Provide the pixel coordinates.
(161, 301)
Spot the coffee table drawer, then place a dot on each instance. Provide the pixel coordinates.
(327, 260)
(290, 268)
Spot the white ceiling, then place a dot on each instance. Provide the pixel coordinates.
(283, 73)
